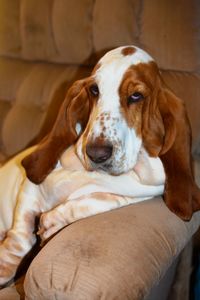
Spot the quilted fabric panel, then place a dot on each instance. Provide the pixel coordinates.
(53, 31)
(170, 31)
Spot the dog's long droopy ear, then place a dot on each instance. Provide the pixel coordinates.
(181, 195)
(74, 111)
(171, 136)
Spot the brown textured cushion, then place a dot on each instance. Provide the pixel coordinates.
(118, 28)
(10, 28)
(14, 291)
(12, 74)
(187, 86)
(170, 32)
(116, 255)
(70, 31)
(56, 31)
(9, 293)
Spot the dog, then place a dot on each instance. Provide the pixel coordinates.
(121, 136)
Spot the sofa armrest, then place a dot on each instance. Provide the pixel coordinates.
(120, 254)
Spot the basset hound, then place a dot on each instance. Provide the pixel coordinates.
(121, 137)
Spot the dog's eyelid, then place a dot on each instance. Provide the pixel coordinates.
(94, 90)
(135, 97)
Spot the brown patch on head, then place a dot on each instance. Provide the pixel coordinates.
(140, 78)
(128, 51)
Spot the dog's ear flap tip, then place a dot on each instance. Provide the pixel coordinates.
(35, 179)
(35, 175)
(184, 212)
(24, 162)
(195, 205)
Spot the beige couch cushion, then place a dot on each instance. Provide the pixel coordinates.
(12, 74)
(115, 23)
(9, 293)
(71, 31)
(116, 255)
(187, 86)
(10, 43)
(54, 31)
(170, 32)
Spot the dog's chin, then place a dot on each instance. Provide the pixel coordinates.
(116, 172)
(107, 167)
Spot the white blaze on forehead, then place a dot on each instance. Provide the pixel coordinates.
(113, 66)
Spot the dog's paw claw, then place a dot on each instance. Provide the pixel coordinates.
(50, 223)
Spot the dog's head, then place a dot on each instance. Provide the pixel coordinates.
(124, 105)
(126, 91)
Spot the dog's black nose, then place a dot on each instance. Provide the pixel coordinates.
(99, 152)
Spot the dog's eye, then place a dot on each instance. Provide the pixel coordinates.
(135, 97)
(94, 90)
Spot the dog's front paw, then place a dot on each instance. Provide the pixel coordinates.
(50, 223)
(7, 272)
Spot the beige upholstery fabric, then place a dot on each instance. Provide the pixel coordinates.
(9, 293)
(38, 28)
(119, 27)
(9, 28)
(115, 255)
(14, 291)
(180, 289)
(170, 32)
(187, 86)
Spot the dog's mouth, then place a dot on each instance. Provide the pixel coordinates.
(110, 167)
(91, 166)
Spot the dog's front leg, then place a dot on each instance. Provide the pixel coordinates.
(76, 209)
(20, 238)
